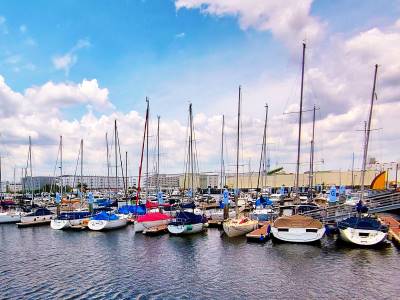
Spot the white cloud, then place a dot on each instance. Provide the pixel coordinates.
(290, 21)
(180, 35)
(66, 61)
(23, 28)
(3, 25)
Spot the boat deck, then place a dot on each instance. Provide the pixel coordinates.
(394, 229)
(260, 234)
(36, 223)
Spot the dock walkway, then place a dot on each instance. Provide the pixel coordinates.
(394, 229)
(259, 235)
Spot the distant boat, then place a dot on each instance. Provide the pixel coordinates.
(10, 216)
(107, 221)
(297, 229)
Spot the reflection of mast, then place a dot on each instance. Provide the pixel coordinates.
(368, 129)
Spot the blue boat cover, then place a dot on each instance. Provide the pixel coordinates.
(366, 223)
(40, 212)
(105, 216)
(186, 218)
(188, 205)
(132, 209)
(75, 215)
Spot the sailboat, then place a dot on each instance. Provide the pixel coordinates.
(39, 215)
(66, 220)
(150, 219)
(110, 220)
(364, 230)
(239, 225)
(188, 222)
(298, 228)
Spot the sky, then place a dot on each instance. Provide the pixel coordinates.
(71, 68)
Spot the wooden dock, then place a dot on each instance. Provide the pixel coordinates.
(259, 235)
(394, 229)
(156, 230)
(36, 223)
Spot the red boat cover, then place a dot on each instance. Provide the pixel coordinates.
(156, 216)
(150, 205)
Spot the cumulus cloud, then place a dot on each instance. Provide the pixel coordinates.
(3, 25)
(66, 61)
(290, 21)
(23, 28)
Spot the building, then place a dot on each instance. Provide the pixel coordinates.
(202, 181)
(36, 182)
(165, 181)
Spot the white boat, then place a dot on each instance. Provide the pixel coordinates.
(219, 215)
(69, 219)
(151, 220)
(105, 221)
(187, 223)
(238, 227)
(40, 215)
(297, 229)
(10, 217)
(262, 214)
(363, 231)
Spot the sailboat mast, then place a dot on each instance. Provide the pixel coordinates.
(352, 172)
(237, 154)
(158, 153)
(30, 167)
(147, 154)
(311, 177)
(81, 170)
(126, 175)
(364, 165)
(108, 168)
(116, 155)
(191, 163)
(265, 146)
(222, 153)
(263, 151)
(61, 165)
(141, 156)
(300, 117)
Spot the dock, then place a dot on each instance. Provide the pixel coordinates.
(394, 229)
(215, 224)
(259, 235)
(36, 223)
(156, 230)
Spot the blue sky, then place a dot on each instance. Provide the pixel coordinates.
(149, 48)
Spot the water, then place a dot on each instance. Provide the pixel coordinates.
(40, 263)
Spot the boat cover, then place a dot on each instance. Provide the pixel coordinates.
(186, 218)
(40, 212)
(132, 209)
(188, 205)
(105, 216)
(74, 215)
(150, 205)
(297, 221)
(156, 216)
(366, 223)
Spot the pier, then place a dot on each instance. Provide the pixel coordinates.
(394, 229)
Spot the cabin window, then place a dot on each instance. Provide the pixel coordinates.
(363, 234)
(283, 229)
(311, 230)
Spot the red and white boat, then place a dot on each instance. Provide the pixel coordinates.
(151, 220)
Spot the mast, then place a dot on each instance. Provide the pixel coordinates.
(311, 177)
(237, 155)
(352, 172)
(300, 116)
(61, 166)
(126, 176)
(364, 165)
(147, 154)
(263, 156)
(158, 153)
(108, 168)
(141, 156)
(30, 167)
(191, 162)
(1, 184)
(116, 156)
(14, 192)
(222, 153)
(81, 171)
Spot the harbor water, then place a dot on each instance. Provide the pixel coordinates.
(40, 263)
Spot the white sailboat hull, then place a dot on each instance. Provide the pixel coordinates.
(98, 225)
(362, 237)
(140, 226)
(65, 224)
(237, 229)
(219, 215)
(186, 229)
(10, 217)
(297, 235)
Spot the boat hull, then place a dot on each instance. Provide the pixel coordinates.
(234, 229)
(10, 218)
(98, 225)
(39, 219)
(65, 224)
(362, 237)
(297, 235)
(140, 226)
(186, 229)
(219, 216)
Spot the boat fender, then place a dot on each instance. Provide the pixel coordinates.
(261, 237)
(269, 229)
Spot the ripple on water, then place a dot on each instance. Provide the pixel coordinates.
(123, 265)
